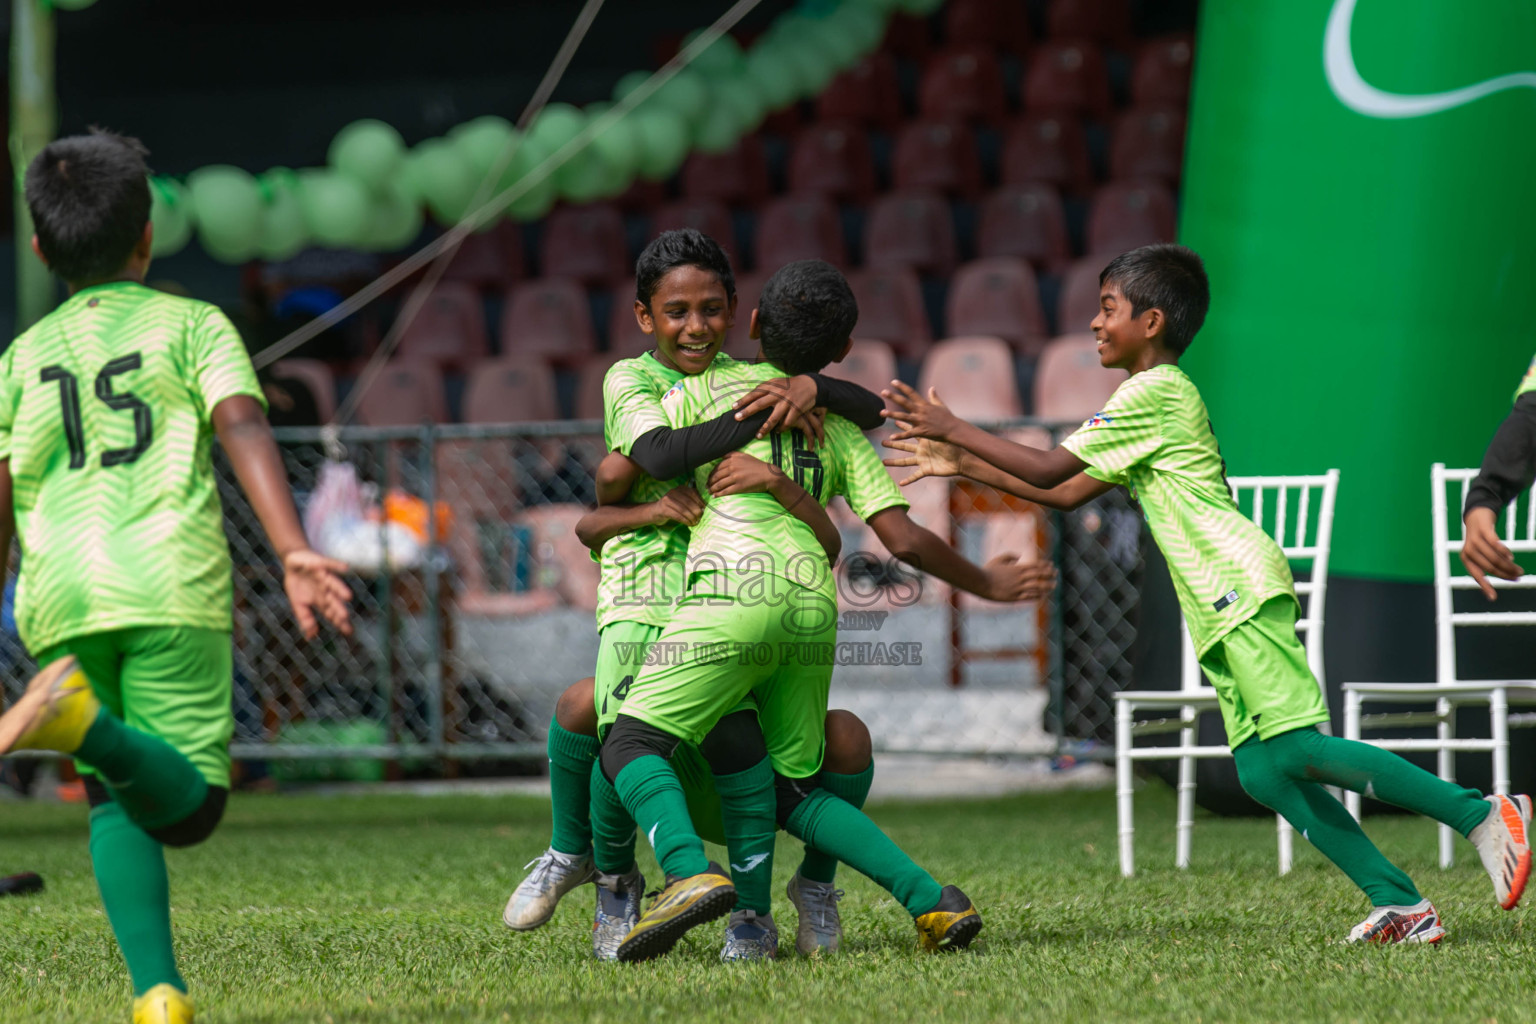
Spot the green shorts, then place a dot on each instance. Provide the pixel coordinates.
(1261, 676)
(739, 634)
(170, 681)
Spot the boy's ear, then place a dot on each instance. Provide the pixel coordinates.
(847, 347)
(39, 250)
(754, 330)
(643, 317)
(1155, 322)
(146, 247)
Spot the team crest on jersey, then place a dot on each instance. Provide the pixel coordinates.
(674, 395)
(1098, 419)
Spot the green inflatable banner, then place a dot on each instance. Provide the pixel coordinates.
(1359, 180)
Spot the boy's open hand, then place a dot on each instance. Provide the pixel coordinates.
(680, 505)
(919, 417)
(928, 458)
(1009, 579)
(1484, 553)
(793, 404)
(313, 584)
(740, 473)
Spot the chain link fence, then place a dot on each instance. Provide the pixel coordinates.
(473, 611)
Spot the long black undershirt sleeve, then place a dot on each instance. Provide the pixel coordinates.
(858, 405)
(1509, 465)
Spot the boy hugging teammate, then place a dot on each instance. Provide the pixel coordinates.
(1234, 586)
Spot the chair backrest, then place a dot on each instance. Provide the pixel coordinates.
(1070, 382)
(1517, 528)
(834, 159)
(1128, 214)
(1162, 70)
(963, 82)
(512, 389)
(868, 92)
(585, 243)
(548, 317)
(891, 308)
(1026, 220)
(1148, 142)
(589, 387)
(703, 213)
(1067, 75)
(869, 364)
(749, 288)
(939, 155)
(997, 297)
(738, 175)
(406, 393)
(448, 328)
(317, 377)
(1002, 24)
(1078, 303)
(799, 227)
(1050, 147)
(974, 376)
(911, 228)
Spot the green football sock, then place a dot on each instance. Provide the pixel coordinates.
(151, 780)
(654, 798)
(842, 830)
(570, 788)
(1324, 823)
(747, 806)
(613, 830)
(1308, 754)
(854, 789)
(130, 872)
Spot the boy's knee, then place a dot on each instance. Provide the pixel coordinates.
(198, 825)
(631, 739)
(849, 749)
(734, 744)
(576, 710)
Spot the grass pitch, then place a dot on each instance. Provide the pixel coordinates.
(387, 909)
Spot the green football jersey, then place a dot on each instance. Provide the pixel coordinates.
(1154, 436)
(1528, 382)
(105, 416)
(753, 532)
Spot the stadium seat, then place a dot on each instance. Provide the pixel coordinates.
(963, 84)
(1026, 221)
(406, 393)
(559, 555)
(1067, 77)
(1107, 21)
(891, 309)
(1047, 147)
(738, 343)
(833, 158)
(314, 375)
(589, 388)
(702, 214)
(1078, 303)
(869, 364)
(1162, 70)
(974, 376)
(1070, 383)
(1002, 24)
(548, 317)
(489, 260)
(1126, 214)
(737, 177)
(448, 328)
(799, 227)
(908, 37)
(866, 93)
(997, 297)
(938, 155)
(911, 228)
(1148, 142)
(585, 243)
(625, 338)
(512, 389)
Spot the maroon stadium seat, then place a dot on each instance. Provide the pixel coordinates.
(869, 364)
(974, 377)
(489, 260)
(749, 287)
(316, 376)
(912, 228)
(963, 84)
(448, 328)
(739, 176)
(1069, 77)
(1108, 21)
(406, 393)
(1148, 142)
(867, 93)
(512, 389)
(1070, 383)
(940, 155)
(799, 227)
(1048, 147)
(589, 387)
(625, 338)
(585, 243)
(891, 309)
(1002, 24)
(1026, 221)
(1162, 70)
(703, 214)
(833, 158)
(907, 36)
(1078, 303)
(549, 318)
(1126, 214)
(997, 297)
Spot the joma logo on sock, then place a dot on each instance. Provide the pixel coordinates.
(862, 621)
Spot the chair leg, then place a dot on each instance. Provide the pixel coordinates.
(1498, 719)
(1445, 758)
(1123, 806)
(1186, 801)
(1352, 702)
(1285, 837)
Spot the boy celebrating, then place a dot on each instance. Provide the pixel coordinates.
(1234, 586)
(108, 407)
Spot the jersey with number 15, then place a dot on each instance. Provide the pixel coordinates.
(105, 418)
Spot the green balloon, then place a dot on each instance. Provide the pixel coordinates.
(920, 6)
(171, 214)
(617, 145)
(735, 109)
(227, 207)
(485, 143)
(72, 5)
(777, 79)
(864, 25)
(536, 201)
(368, 150)
(723, 57)
(664, 139)
(686, 92)
(557, 124)
(335, 208)
(394, 219)
(438, 175)
(283, 229)
(805, 46)
(629, 83)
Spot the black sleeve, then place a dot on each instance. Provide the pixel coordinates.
(1510, 462)
(858, 405)
(665, 452)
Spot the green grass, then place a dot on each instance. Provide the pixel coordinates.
(388, 909)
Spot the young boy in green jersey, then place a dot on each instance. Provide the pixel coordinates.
(686, 301)
(108, 410)
(1234, 586)
(760, 617)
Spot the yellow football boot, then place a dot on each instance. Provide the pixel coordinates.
(55, 712)
(950, 925)
(163, 1004)
(683, 904)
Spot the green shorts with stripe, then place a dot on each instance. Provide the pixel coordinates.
(1261, 676)
(170, 681)
(736, 634)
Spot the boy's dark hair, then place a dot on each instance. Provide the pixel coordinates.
(684, 247)
(89, 197)
(805, 316)
(1166, 277)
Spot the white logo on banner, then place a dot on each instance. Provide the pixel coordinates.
(1362, 97)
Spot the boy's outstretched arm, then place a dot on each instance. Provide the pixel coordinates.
(940, 458)
(679, 505)
(1004, 578)
(313, 582)
(740, 473)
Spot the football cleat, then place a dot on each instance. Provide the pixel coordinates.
(1503, 840)
(950, 925)
(54, 714)
(554, 874)
(1389, 925)
(820, 927)
(618, 911)
(163, 1004)
(683, 904)
(750, 936)
(24, 884)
